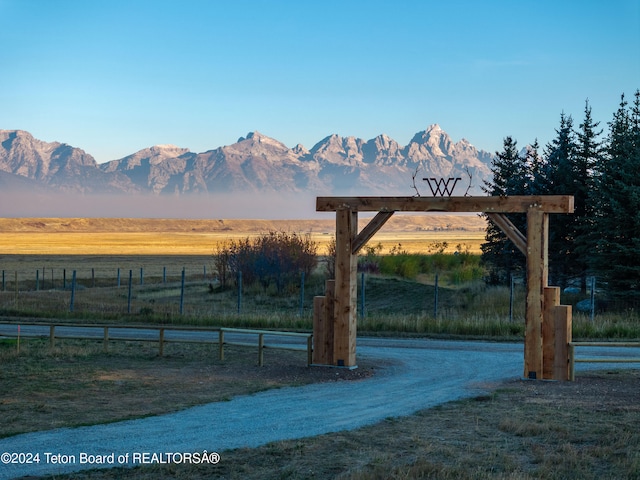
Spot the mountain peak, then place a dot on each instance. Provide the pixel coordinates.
(167, 149)
(256, 138)
(166, 146)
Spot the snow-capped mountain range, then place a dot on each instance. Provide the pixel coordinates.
(256, 163)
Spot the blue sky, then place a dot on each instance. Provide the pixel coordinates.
(115, 76)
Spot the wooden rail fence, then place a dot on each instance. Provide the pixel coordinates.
(161, 338)
(573, 360)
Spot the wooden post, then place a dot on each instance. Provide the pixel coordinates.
(345, 308)
(105, 341)
(536, 281)
(182, 292)
(301, 293)
(511, 297)
(551, 302)
(260, 349)
(320, 356)
(221, 345)
(73, 292)
(323, 308)
(161, 343)
(563, 337)
(130, 291)
(435, 299)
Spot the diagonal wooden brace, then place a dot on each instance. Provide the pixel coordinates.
(510, 230)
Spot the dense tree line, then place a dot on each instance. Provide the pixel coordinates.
(602, 237)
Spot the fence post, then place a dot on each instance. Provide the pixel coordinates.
(239, 292)
(118, 277)
(362, 293)
(44, 274)
(593, 298)
(511, 297)
(164, 274)
(3, 285)
(161, 341)
(52, 336)
(435, 299)
(141, 275)
(16, 283)
(182, 293)
(301, 293)
(204, 272)
(93, 278)
(64, 279)
(260, 349)
(37, 280)
(221, 345)
(129, 296)
(105, 341)
(73, 292)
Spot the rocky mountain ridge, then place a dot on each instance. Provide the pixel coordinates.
(254, 164)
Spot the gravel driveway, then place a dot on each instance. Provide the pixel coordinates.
(422, 374)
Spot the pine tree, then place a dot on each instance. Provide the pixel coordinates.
(534, 166)
(557, 178)
(587, 156)
(617, 255)
(509, 178)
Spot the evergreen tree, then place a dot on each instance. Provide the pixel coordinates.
(617, 256)
(509, 178)
(534, 170)
(557, 178)
(587, 157)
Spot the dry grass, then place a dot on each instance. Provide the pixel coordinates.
(77, 383)
(104, 236)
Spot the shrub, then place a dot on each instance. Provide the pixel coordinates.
(271, 258)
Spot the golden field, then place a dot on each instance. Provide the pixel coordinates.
(171, 237)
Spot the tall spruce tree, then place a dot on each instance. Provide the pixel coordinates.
(586, 159)
(617, 255)
(557, 179)
(499, 254)
(534, 166)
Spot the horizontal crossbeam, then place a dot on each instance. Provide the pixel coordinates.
(511, 204)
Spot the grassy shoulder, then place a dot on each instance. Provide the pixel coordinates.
(77, 383)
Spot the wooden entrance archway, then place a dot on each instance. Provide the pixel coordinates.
(547, 323)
